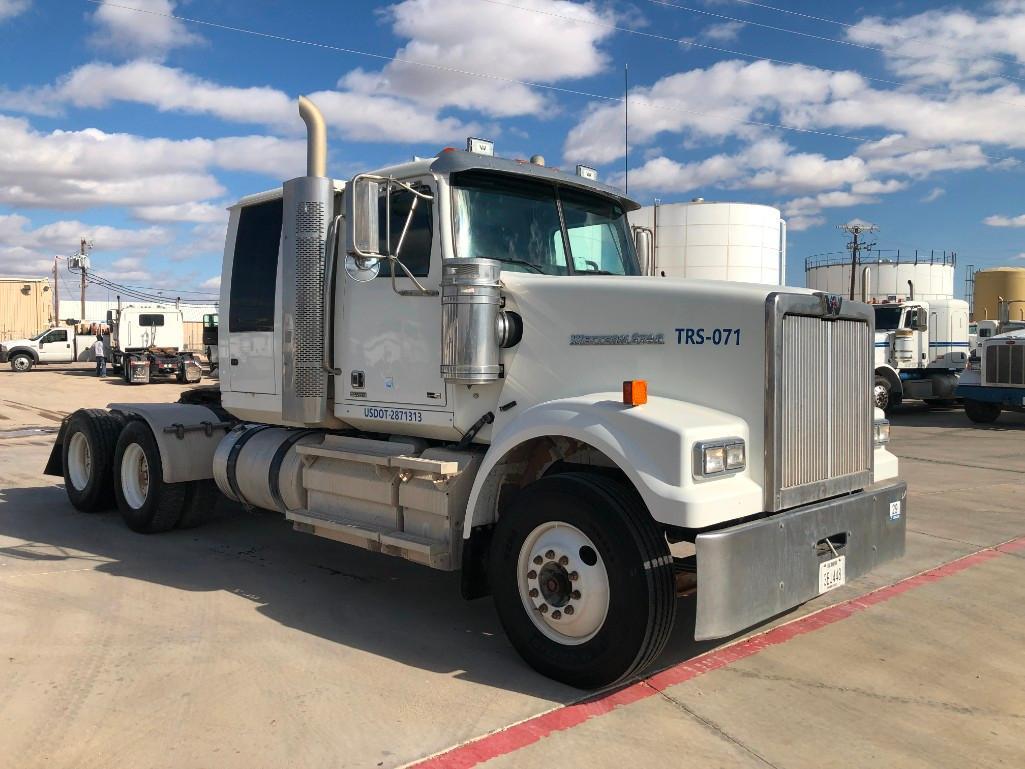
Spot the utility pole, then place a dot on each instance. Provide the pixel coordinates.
(56, 295)
(84, 265)
(855, 246)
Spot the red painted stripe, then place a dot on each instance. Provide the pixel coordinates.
(527, 732)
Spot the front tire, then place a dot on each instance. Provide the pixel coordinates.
(883, 396)
(87, 454)
(147, 503)
(600, 604)
(22, 362)
(982, 412)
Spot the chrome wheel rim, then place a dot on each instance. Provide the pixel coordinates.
(80, 461)
(881, 395)
(135, 476)
(21, 363)
(563, 583)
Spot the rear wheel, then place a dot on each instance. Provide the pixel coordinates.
(582, 580)
(200, 503)
(87, 454)
(22, 362)
(146, 502)
(982, 412)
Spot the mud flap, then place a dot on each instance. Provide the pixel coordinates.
(55, 464)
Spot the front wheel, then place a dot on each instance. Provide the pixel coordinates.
(22, 362)
(981, 412)
(582, 580)
(883, 396)
(147, 504)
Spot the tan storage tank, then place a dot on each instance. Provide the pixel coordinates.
(992, 284)
(25, 307)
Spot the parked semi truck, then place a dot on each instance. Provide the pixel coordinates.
(921, 347)
(995, 381)
(147, 343)
(456, 361)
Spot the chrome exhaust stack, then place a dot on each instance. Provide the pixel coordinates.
(308, 215)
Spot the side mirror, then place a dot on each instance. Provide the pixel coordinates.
(364, 230)
(644, 242)
(921, 323)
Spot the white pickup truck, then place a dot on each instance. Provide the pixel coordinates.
(51, 345)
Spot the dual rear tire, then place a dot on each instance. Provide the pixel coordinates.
(107, 463)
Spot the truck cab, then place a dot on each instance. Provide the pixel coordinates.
(995, 380)
(921, 346)
(457, 361)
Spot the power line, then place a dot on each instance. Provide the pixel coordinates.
(794, 13)
(494, 77)
(678, 41)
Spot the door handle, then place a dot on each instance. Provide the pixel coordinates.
(234, 361)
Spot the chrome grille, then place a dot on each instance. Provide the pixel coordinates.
(1005, 364)
(824, 400)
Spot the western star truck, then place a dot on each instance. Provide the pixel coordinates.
(995, 381)
(920, 349)
(457, 362)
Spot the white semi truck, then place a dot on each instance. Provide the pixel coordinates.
(148, 342)
(995, 380)
(921, 347)
(456, 361)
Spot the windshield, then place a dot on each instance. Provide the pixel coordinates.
(37, 336)
(520, 222)
(887, 318)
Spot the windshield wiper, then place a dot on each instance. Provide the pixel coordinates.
(594, 272)
(531, 265)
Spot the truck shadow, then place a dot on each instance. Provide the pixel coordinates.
(923, 415)
(375, 603)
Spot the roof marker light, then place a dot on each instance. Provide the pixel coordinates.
(480, 146)
(591, 174)
(635, 392)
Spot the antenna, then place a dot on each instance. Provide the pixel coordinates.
(626, 128)
(856, 230)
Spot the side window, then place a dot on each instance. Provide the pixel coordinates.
(255, 267)
(416, 248)
(153, 319)
(60, 335)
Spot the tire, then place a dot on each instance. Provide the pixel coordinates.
(147, 504)
(629, 570)
(982, 412)
(883, 396)
(200, 503)
(87, 455)
(22, 362)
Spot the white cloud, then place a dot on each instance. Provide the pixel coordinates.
(492, 38)
(11, 8)
(934, 194)
(724, 32)
(182, 212)
(147, 32)
(80, 169)
(1005, 221)
(213, 283)
(25, 250)
(356, 116)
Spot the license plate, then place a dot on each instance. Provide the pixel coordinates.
(832, 574)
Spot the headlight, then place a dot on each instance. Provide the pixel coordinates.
(718, 457)
(880, 432)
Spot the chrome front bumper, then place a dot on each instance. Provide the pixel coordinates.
(756, 570)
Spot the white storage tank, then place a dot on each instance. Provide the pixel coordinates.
(931, 272)
(718, 241)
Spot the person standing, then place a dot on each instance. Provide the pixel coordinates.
(101, 359)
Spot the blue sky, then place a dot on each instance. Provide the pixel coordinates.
(136, 129)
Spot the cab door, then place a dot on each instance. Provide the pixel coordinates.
(55, 347)
(390, 345)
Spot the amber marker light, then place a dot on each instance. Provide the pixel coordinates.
(635, 392)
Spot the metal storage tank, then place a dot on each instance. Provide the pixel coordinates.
(932, 274)
(718, 241)
(999, 282)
